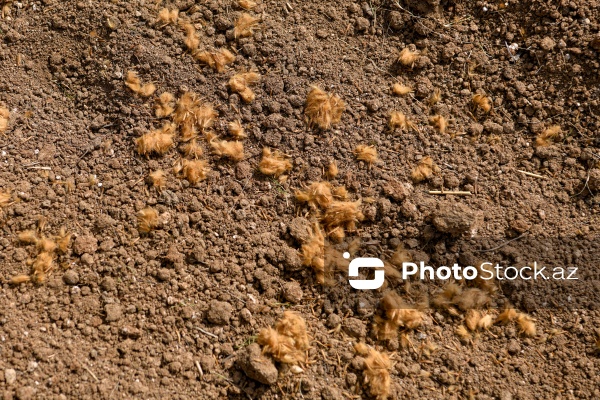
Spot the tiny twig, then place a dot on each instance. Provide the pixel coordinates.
(199, 368)
(207, 333)
(451, 192)
(531, 174)
(502, 244)
(91, 373)
(44, 168)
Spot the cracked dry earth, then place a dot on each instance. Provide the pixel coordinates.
(175, 313)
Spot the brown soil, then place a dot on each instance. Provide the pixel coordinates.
(171, 314)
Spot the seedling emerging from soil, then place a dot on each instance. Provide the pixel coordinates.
(482, 102)
(366, 153)
(407, 57)
(439, 123)
(400, 90)
(224, 148)
(240, 83)
(244, 26)
(157, 179)
(158, 141)
(332, 170)
(313, 252)
(318, 194)
(164, 105)
(166, 17)
(343, 214)
(194, 170)
(274, 163)
(192, 149)
(217, 60)
(135, 84)
(323, 109)
(247, 4)
(147, 220)
(435, 97)
(376, 371)
(424, 170)
(288, 341)
(399, 121)
(548, 136)
(237, 130)
(191, 40)
(4, 116)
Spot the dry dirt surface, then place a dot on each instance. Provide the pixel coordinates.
(117, 312)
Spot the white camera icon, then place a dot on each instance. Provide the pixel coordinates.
(366, 262)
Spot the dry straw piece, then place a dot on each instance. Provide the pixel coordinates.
(247, 4)
(400, 90)
(191, 40)
(376, 372)
(230, 149)
(482, 102)
(147, 220)
(318, 194)
(288, 342)
(237, 130)
(548, 136)
(399, 121)
(407, 57)
(164, 106)
(240, 83)
(157, 179)
(424, 170)
(133, 82)
(4, 116)
(157, 141)
(166, 16)
(244, 26)
(366, 153)
(439, 123)
(274, 163)
(322, 109)
(216, 60)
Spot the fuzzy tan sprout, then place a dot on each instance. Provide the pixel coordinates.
(399, 313)
(274, 163)
(400, 90)
(4, 117)
(19, 279)
(439, 123)
(318, 194)
(399, 121)
(237, 130)
(4, 199)
(244, 26)
(192, 149)
(166, 16)
(508, 315)
(28, 237)
(342, 214)
(482, 102)
(340, 193)
(240, 83)
(157, 179)
(435, 97)
(164, 105)
(313, 252)
(217, 60)
(376, 372)
(526, 325)
(288, 341)
(366, 153)
(322, 109)
(133, 82)
(424, 170)
(63, 240)
(463, 334)
(205, 116)
(157, 141)
(184, 109)
(408, 57)
(247, 4)
(230, 149)
(194, 170)
(548, 136)
(147, 219)
(332, 170)
(191, 40)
